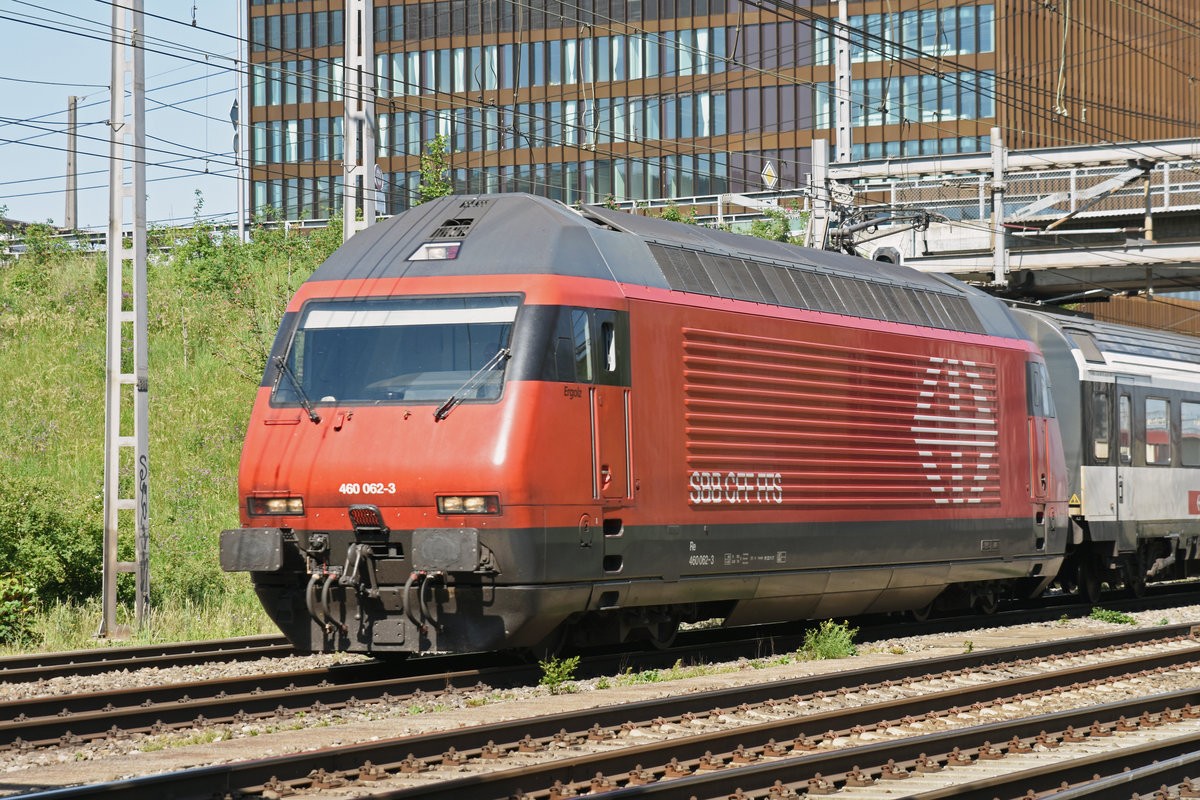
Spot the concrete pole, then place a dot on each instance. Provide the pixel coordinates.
(999, 236)
(71, 216)
(842, 83)
(239, 125)
(358, 123)
(818, 220)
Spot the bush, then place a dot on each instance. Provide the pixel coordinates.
(18, 602)
(829, 640)
(556, 672)
(50, 539)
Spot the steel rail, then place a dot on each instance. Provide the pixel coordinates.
(725, 782)
(24, 668)
(218, 780)
(722, 782)
(1142, 780)
(68, 720)
(1138, 769)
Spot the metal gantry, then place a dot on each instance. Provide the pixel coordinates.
(127, 317)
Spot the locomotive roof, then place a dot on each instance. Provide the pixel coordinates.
(521, 233)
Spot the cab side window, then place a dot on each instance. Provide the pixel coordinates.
(1038, 390)
(581, 333)
(608, 338)
(588, 345)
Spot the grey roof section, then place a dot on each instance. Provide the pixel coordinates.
(1112, 338)
(507, 234)
(522, 234)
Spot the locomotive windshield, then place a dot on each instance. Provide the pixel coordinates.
(412, 350)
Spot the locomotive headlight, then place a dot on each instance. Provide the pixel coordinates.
(469, 504)
(277, 506)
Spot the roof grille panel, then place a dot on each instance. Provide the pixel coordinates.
(457, 228)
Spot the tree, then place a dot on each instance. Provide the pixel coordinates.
(672, 213)
(435, 171)
(774, 226)
(777, 225)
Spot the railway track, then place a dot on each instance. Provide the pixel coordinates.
(72, 719)
(856, 722)
(40, 666)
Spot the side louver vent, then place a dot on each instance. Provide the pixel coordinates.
(795, 287)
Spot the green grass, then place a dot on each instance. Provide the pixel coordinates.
(72, 626)
(1117, 617)
(213, 310)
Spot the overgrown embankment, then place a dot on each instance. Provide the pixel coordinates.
(214, 304)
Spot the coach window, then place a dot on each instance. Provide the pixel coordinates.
(1100, 425)
(581, 332)
(1125, 429)
(1158, 430)
(1189, 441)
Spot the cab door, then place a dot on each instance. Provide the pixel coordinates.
(611, 408)
(1041, 408)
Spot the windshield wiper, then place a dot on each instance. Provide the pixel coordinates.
(287, 370)
(444, 409)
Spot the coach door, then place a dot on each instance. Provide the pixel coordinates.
(1124, 470)
(611, 407)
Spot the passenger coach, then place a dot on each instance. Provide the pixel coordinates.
(1129, 409)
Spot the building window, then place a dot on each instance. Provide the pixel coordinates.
(258, 34)
(957, 30)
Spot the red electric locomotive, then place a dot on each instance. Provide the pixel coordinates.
(495, 422)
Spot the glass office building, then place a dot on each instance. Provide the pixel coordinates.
(633, 99)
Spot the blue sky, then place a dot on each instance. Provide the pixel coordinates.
(190, 87)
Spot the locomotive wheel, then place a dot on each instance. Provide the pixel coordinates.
(662, 634)
(987, 603)
(1136, 588)
(923, 613)
(1088, 581)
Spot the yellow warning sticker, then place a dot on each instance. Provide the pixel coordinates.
(1074, 500)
